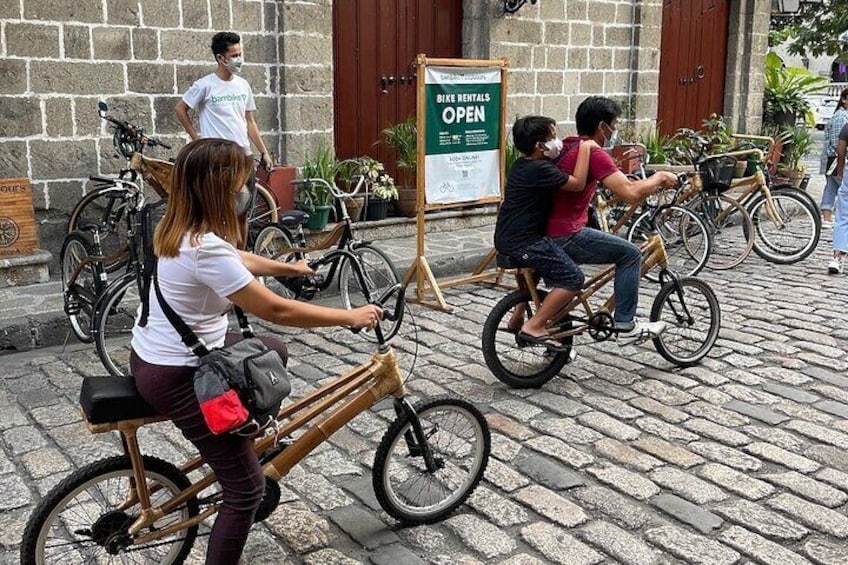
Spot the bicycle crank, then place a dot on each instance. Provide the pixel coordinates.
(601, 326)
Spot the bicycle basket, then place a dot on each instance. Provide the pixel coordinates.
(717, 173)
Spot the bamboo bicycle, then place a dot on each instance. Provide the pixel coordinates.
(687, 305)
(138, 508)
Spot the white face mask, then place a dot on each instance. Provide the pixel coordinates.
(553, 148)
(612, 139)
(233, 64)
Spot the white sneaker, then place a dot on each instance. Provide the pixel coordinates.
(642, 331)
(835, 266)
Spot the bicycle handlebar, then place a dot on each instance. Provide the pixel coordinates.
(134, 131)
(334, 190)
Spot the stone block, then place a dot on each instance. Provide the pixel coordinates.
(10, 11)
(257, 77)
(21, 117)
(554, 106)
(63, 159)
(181, 45)
(13, 159)
(618, 36)
(576, 10)
(601, 60)
(77, 42)
(591, 82)
(15, 335)
(518, 105)
(188, 74)
(14, 75)
(220, 14)
(57, 112)
(306, 50)
(123, 12)
(601, 12)
(160, 13)
(111, 43)
(522, 82)
(363, 527)
(579, 34)
(260, 48)
(248, 15)
(555, 58)
(549, 83)
(86, 12)
(166, 120)
(294, 145)
(578, 58)
(145, 44)
(306, 113)
(266, 113)
(508, 30)
(32, 40)
(39, 196)
(49, 329)
(304, 18)
(63, 195)
(556, 33)
(195, 14)
(77, 78)
(134, 109)
(552, 11)
(150, 78)
(616, 82)
(304, 80)
(86, 120)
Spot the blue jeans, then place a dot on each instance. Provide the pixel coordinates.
(592, 247)
(840, 221)
(831, 187)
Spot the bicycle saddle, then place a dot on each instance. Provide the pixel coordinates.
(111, 399)
(293, 218)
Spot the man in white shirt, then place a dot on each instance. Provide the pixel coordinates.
(223, 100)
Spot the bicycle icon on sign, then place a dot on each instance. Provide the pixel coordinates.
(446, 187)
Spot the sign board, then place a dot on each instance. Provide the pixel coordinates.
(462, 134)
(17, 219)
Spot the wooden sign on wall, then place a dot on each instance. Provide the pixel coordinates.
(17, 219)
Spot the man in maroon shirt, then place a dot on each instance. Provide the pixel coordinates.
(597, 119)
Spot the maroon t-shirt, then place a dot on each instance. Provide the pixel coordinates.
(568, 213)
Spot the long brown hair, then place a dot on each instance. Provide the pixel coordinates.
(207, 174)
(842, 98)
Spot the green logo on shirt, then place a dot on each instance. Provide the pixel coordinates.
(233, 98)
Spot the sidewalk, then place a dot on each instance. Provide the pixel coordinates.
(32, 316)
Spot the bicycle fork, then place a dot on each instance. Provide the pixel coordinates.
(416, 441)
(667, 276)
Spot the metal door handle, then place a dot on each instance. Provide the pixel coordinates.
(386, 82)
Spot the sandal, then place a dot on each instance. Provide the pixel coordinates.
(543, 340)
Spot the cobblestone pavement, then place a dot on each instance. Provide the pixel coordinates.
(622, 459)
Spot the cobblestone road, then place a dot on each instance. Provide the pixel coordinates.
(622, 459)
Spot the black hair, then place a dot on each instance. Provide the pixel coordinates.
(530, 130)
(593, 111)
(222, 40)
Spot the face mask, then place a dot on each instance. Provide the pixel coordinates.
(234, 64)
(243, 200)
(612, 139)
(552, 148)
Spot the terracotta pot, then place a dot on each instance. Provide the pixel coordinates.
(407, 201)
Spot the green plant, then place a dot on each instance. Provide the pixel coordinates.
(798, 141)
(321, 164)
(378, 182)
(403, 139)
(786, 89)
(717, 133)
(511, 155)
(656, 144)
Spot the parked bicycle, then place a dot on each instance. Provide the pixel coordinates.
(687, 305)
(143, 509)
(286, 242)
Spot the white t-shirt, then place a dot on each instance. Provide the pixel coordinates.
(221, 105)
(195, 284)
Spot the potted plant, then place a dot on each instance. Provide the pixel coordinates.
(403, 139)
(380, 187)
(798, 142)
(315, 198)
(786, 89)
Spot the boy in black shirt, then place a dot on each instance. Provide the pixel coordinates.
(523, 217)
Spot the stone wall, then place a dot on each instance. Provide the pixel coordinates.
(747, 45)
(58, 58)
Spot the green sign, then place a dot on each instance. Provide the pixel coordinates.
(462, 117)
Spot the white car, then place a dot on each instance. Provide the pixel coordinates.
(824, 110)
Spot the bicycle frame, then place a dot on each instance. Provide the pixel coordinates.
(653, 254)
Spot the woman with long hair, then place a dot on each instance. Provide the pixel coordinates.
(831, 140)
(201, 274)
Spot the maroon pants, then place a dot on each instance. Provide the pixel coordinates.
(171, 392)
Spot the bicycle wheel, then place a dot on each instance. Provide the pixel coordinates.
(458, 437)
(730, 228)
(275, 243)
(685, 236)
(380, 275)
(115, 315)
(787, 232)
(802, 194)
(104, 209)
(693, 319)
(80, 284)
(265, 210)
(86, 517)
(515, 362)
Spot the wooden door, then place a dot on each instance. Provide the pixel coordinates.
(374, 44)
(693, 62)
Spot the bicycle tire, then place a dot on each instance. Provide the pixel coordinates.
(36, 551)
(265, 211)
(115, 315)
(466, 465)
(380, 275)
(104, 207)
(686, 341)
(275, 242)
(731, 229)
(803, 194)
(796, 235)
(685, 235)
(80, 296)
(515, 363)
